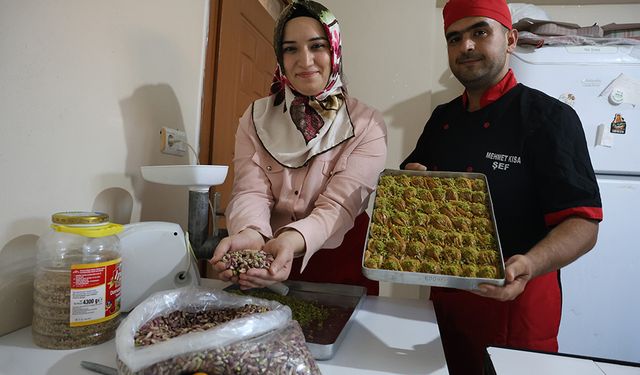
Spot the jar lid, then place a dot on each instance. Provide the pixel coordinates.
(79, 217)
(95, 231)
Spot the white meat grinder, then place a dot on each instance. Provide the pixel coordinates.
(158, 255)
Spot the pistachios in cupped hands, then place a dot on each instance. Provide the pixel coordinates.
(241, 261)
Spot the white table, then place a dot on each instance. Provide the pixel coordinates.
(388, 336)
(522, 362)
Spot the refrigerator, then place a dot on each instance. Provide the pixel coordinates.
(601, 290)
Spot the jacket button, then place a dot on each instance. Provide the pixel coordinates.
(295, 192)
(269, 168)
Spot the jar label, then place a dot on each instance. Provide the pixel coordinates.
(95, 292)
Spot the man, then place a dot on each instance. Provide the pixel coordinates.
(546, 200)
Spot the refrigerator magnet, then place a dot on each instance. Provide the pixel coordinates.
(567, 98)
(618, 125)
(603, 137)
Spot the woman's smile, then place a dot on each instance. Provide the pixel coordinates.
(310, 74)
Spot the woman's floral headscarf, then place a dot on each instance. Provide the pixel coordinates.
(293, 127)
(331, 29)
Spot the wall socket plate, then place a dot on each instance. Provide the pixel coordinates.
(173, 141)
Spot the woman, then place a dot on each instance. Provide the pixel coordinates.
(307, 157)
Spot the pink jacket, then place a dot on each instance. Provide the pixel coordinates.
(320, 200)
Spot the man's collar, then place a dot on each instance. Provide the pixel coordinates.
(494, 93)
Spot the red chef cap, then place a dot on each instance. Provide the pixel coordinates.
(495, 9)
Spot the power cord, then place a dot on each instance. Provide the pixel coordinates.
(195, 154)
(191, 255)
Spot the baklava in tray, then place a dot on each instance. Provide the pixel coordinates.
(433, 228)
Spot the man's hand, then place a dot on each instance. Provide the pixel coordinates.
(565, 243)
(415, 167)
(518, 271)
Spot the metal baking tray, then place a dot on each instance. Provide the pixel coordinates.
(341, 295)
(419, 278)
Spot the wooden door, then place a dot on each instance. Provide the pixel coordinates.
(244, 66)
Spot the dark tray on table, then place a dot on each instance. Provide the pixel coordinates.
(342, 302)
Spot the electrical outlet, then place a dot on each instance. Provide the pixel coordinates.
(173, 141)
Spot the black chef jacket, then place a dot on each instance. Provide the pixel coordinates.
(533, 151)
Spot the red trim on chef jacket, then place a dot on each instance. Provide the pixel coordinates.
(555, 218)
(342, 265)
(494, 93)
(470, 323)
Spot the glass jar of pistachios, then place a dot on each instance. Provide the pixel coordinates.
(76, 298)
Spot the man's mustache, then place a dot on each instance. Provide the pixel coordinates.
(469, 57)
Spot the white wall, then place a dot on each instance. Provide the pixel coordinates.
(387, 62)
(85, 87)
(274, 7)
(587, 15)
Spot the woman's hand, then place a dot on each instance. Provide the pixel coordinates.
(283, 248)
(518, 271)
(246, 239)
(415, 167)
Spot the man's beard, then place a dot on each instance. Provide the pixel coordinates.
(482, 77)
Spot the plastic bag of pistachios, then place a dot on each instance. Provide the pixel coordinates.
(189, 330)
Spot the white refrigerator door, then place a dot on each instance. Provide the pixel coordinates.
(579, 76)
(601, 296)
